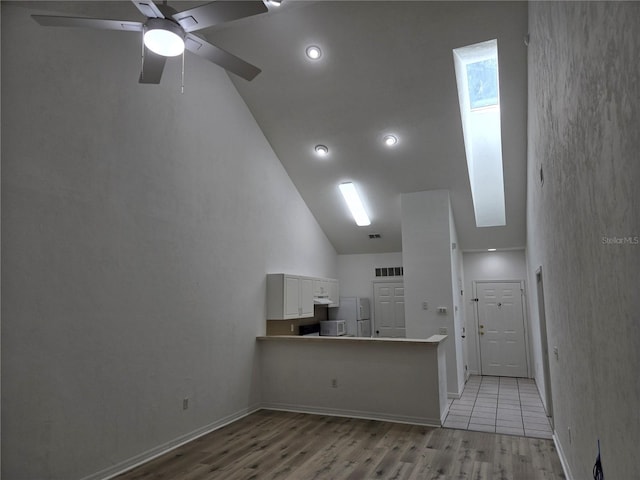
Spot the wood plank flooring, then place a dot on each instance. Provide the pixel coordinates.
(293, 446)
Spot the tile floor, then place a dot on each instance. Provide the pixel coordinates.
(501, 405)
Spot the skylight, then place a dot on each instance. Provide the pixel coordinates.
(479, 96)
(482, 82)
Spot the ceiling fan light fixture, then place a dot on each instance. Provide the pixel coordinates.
(164, 37)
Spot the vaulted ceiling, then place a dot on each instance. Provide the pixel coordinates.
(386, 67)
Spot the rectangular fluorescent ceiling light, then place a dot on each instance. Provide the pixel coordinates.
(354, 203)
(479, 97)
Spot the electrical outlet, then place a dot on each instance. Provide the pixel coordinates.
(444, 331)
(555, 352)
(425, 305)
(185, 403)
(334, 383)
(292, 328)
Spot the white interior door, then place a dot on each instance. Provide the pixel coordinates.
(389, 309)
(501, 329)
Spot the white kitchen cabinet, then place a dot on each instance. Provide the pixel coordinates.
(326, 288)
(320, 287)
(306, 297)
(289, 296)
(334, 294)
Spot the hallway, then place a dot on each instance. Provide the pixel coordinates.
(501, 405)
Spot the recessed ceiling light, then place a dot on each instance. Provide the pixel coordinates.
(491, 249)
(321, 150)
(314, 52)
(390, 140)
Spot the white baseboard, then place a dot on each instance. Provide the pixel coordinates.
(443, 415)
(313, 410)
(149, 455)
(563, 458)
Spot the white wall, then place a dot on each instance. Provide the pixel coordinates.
(583, 132)
(496, 266)
(137, 227)
(426, 255)
(357, 272)
(457, 281)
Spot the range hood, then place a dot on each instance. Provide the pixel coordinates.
(321, 300)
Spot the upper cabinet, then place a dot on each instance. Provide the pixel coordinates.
(292, 296)
(289, 296)
(334, 294)
(320, 287)
(327, 290)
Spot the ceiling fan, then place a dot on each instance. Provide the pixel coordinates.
(167, 33)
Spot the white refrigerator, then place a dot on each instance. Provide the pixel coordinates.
(356, 313)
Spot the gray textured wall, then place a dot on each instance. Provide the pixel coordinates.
(137, 227)
(584, 119)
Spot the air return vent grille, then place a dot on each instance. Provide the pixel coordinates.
(389, 271)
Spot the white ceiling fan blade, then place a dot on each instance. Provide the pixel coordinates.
(148, 8)
(57, 21)
(218, 12)
(221, 57)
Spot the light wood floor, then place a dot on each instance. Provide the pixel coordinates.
(294, 446)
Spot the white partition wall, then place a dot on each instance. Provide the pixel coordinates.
(384, 379)
(427, 254)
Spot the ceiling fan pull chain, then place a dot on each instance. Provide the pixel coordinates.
(142, 56)
(182, 87)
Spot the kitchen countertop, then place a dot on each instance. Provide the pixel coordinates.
(432, 340)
